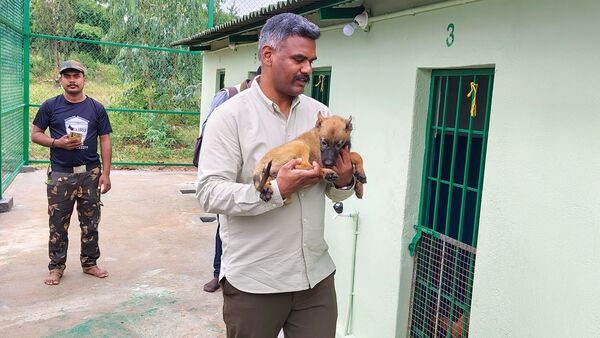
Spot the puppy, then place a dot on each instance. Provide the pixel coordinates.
(457, 327)
(321, 144)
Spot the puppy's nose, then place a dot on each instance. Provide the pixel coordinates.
(328, 163)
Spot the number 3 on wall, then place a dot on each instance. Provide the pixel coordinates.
(450, 38)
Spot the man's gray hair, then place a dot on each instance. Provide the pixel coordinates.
(282, 26)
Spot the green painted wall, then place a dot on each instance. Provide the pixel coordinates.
(537, 263)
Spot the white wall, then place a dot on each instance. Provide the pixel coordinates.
(236, 63)
(538, 253)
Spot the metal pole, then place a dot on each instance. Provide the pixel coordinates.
(211, 14)
(113, 44)
(26, 60)
(349, 314)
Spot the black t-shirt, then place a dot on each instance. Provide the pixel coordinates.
(87, 117)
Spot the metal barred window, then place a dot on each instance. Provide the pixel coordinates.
(321, 81)
(446, 240)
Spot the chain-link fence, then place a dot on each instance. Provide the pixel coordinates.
(443, 281)
(11, 90)
(151, 92)
(237, 8)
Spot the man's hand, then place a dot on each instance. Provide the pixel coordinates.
(67, 143)
(104, 183)
(290, 180)
(343, 168)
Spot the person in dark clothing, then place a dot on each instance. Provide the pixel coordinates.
(76, 122)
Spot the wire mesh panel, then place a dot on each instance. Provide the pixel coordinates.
(150, 90)
(442, 281)
(11, 90)
(233, 9)
(446, 238)
(152, 96)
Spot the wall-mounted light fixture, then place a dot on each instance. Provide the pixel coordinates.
(361, 20)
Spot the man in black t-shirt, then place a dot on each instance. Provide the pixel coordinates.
(76, 122)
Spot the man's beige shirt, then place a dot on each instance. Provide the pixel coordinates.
(267, 247)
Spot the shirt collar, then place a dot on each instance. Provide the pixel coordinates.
(273, 107)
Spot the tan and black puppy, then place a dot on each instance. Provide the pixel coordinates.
(321, 144)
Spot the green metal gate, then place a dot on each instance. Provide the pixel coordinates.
(11, 91)
(446, 240)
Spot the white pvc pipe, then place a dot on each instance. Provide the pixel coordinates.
(348, 326)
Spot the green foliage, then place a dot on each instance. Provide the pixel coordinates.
(85, 31)
(93, 14)
(128, 77)
(157, 133)
(165, 77)
(42, 67)
(54, 17)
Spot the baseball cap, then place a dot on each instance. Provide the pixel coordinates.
(72, 64)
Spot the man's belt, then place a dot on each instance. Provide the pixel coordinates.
(74, 170)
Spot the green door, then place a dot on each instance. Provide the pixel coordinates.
(446, 240)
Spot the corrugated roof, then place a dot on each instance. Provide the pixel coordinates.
(256, 19)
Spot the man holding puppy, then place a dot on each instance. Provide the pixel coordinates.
(76, 122)
(276, 272)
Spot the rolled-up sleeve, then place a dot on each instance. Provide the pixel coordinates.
(338, 195)
(220, 161)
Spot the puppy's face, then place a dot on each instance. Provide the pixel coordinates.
(334, 134)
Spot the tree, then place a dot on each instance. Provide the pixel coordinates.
(53, 17)
(84, 19)
(164, 76)
(154, 80)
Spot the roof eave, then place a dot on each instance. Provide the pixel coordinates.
(257, 19)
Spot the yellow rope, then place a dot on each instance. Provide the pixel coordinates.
(321, 83)
(473, 93)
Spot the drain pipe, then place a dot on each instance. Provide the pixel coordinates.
(354, 216)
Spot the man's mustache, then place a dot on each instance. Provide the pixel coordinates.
(302, 78)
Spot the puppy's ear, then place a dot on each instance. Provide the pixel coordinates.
(320, 118)
(349, 124)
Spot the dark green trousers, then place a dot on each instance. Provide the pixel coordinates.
(64, 189)
(309, 313)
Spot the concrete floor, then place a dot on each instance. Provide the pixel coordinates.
(156, 249)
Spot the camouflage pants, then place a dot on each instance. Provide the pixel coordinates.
(64, 189)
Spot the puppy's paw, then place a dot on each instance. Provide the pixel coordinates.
(330, 177)
(358, 190)
(360, 177)
(266, 194)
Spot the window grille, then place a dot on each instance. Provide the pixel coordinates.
(321, 81)
(445, 243)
